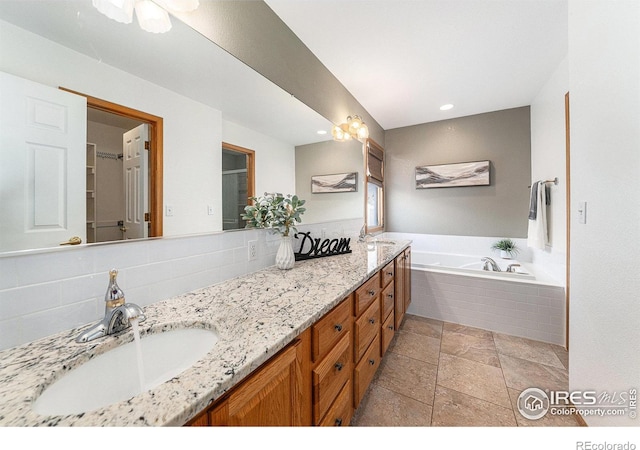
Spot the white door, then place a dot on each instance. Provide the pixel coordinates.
(136, 166)
(43, 134)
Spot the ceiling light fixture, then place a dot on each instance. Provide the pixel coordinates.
(152, 15)
(354, 128)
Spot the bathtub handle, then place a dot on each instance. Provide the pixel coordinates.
(510, 268)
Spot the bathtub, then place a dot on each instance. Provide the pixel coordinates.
(452, 287)
(471, 265)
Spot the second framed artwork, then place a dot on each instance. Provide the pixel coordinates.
(475, 173)
(334, 183)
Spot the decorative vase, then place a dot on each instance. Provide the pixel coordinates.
(285, 258)
(505, 254)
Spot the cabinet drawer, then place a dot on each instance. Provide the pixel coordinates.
(387, 331)
(387, 274)
(330, 375)
(388, 302)
(330, 329)
(365, 370)
(365, 329)
(366, 293)
(339, 415)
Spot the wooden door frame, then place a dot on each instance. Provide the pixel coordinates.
(381, 203)
(155, 152)
(251, 166)
(567, 126)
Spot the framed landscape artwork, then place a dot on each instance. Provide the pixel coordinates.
(340, 182)
(453, 175)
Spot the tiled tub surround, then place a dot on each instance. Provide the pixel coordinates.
(46, 292)
(518, 308)
(255, 316)
(533, 309)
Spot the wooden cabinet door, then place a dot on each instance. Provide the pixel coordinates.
(399, 284)
(270, 397)
(407, 278)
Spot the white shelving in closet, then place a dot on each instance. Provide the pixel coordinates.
(91, 192)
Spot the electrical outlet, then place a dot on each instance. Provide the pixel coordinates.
(210, 210)
(169, 210)
(253, 250)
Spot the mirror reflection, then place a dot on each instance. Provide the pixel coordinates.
(203, 95)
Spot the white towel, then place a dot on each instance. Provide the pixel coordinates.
(537, 235)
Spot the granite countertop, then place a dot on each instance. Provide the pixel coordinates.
(255, 316)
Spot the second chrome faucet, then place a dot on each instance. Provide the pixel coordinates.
(117, 313)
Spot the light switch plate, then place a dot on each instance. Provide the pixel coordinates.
(582, 212)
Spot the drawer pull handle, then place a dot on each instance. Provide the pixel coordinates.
(338, 366)
(338, 327)
(372, 321)
(390, 295)
(338, 422)
(391, 327)
(390, 274)
(372, 362)
(372, 292)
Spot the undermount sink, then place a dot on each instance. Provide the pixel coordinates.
(377, 242)
(114, 376)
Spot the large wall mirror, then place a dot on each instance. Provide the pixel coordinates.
(204, 96)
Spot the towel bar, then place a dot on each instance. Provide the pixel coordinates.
(554, 181)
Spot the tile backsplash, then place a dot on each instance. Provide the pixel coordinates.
(43, 293)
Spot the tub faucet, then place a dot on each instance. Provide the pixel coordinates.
(117, 314)
(488, 262)
(511, 268)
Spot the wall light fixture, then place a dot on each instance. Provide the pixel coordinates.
(152, 15)
(353, 128)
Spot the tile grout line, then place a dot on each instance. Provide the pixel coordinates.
(515, 418)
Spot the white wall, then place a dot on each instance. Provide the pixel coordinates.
(604, 73)
(548, 161)
(192, 131)
(275, 160)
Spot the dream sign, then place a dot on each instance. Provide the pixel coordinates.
(317, 248)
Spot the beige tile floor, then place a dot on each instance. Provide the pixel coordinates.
(442, 374)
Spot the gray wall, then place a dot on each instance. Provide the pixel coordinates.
(500, 210)
(325, 158)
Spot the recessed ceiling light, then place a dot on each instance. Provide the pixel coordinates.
(322, 132)
(446, 107)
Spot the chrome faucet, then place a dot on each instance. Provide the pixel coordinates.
(363, 235)
(511, 268)
(117, 313)
(488, 262)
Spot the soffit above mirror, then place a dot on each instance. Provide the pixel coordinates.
(181, 60)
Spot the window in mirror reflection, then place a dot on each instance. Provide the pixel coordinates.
(238, 181)
(374, 187)
(374, 194)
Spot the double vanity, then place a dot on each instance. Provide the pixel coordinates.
(294, 347)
